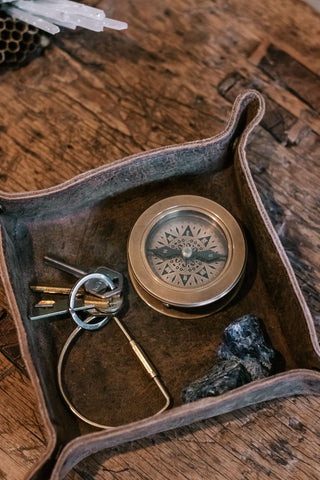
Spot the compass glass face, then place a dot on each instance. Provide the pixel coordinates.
(186, 249)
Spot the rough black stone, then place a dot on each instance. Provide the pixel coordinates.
(219, 379)
(244, 340)
(245, 355)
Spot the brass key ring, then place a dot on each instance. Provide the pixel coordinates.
(138, 352)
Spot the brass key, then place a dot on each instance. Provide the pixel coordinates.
(94, 305)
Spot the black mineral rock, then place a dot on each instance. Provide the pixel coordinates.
(219, 379)
(245, 355)
(244, 341)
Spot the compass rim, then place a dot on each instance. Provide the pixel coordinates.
(181, 296)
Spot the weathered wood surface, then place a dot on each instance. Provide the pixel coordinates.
(93, 98)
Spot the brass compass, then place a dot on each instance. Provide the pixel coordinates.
(186, 256)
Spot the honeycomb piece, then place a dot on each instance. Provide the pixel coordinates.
(18, 40)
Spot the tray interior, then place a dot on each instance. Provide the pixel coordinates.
(103, 377)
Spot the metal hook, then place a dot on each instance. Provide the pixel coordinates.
(147, 365)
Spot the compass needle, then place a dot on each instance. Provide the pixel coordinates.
(165, 252)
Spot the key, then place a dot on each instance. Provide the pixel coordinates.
(52, 308)
(95, 306)
(102, 306)
(52, 289)
(95, 286)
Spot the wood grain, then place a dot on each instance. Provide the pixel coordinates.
(93, 98)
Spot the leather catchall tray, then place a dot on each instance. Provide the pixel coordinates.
(87, 221)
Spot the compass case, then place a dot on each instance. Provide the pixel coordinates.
(87, 221)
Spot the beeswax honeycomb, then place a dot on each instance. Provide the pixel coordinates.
(18, 40)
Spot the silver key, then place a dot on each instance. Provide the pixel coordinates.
(53, 308)
(95, 286)
(50, 308)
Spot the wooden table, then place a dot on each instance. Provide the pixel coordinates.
(171, 77)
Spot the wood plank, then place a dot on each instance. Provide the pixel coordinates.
(292, 75)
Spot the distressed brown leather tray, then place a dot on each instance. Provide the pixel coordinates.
(87, 221)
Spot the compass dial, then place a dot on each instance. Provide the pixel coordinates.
(186, 254)
(187, 250)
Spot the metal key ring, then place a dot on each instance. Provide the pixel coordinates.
(72, 298)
